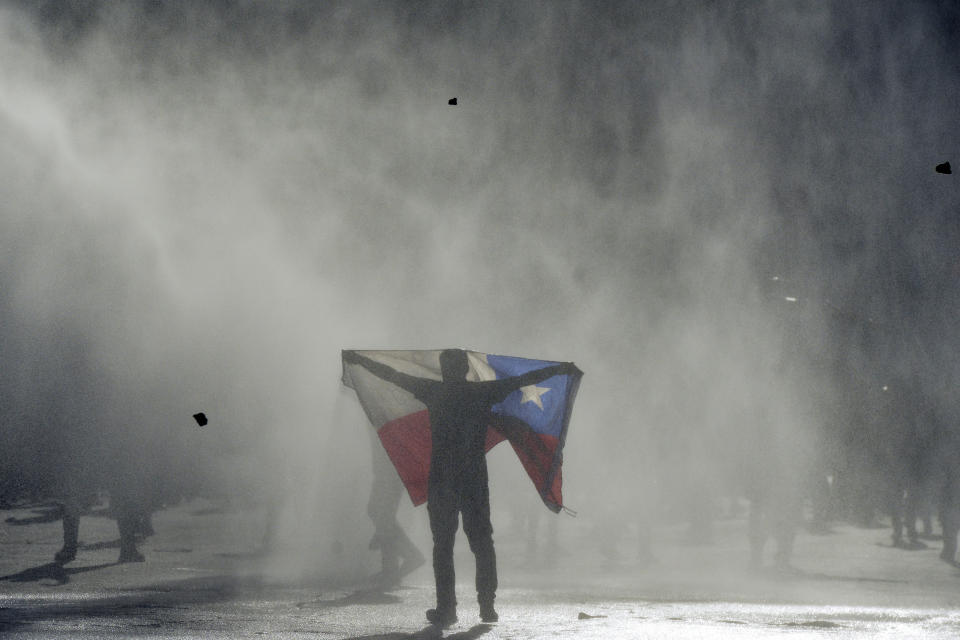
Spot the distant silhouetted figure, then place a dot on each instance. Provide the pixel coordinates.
(947, 485)
(132, 522)
(389, 537)
(774, 488)
(81, 474)
(907, 450)
(950, 516)
(774, 513)
(459, 416)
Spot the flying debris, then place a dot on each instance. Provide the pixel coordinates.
(200, 418)
(944, 168)
(453, 102)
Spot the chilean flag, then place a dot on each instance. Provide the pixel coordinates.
(534, 419)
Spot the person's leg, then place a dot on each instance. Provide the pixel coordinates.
(820, 501)
(126, 512)
(949, 519)
(71, 533)
(785, 533)
(926, 512)
(950, 522)
(788, 515)
(443, 512)
(910, 509)
(389, 559)
(385, 494)
(951, 526)
(479, 530)
(895, 502)
(412, 558)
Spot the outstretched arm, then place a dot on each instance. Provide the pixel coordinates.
(403, 380)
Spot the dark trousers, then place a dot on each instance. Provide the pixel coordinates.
(773, 514)
(444, 505)
(125, 511)
(389, 537)
(950, 515)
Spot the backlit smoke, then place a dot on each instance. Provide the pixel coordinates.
(202, 203)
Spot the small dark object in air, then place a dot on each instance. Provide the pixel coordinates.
(587, 616)
(944, 168)
(452, 102)
(200, 418)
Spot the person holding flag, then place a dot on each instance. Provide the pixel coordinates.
(459, 415)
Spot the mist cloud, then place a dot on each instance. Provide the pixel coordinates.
(204, 202)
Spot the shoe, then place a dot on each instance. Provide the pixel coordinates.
(441, 617)
(386, 579)
(65, 555)
(488, 613)
(412, 564)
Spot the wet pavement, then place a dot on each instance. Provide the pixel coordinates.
(849, 583)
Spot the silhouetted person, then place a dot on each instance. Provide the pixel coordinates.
(774, 486)
(904, 454)
(946, 484)
(457, 483)
(389, 537)
(112, 462)
(132, 522)
(774, 513)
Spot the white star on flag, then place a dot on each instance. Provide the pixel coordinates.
(532, 394)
